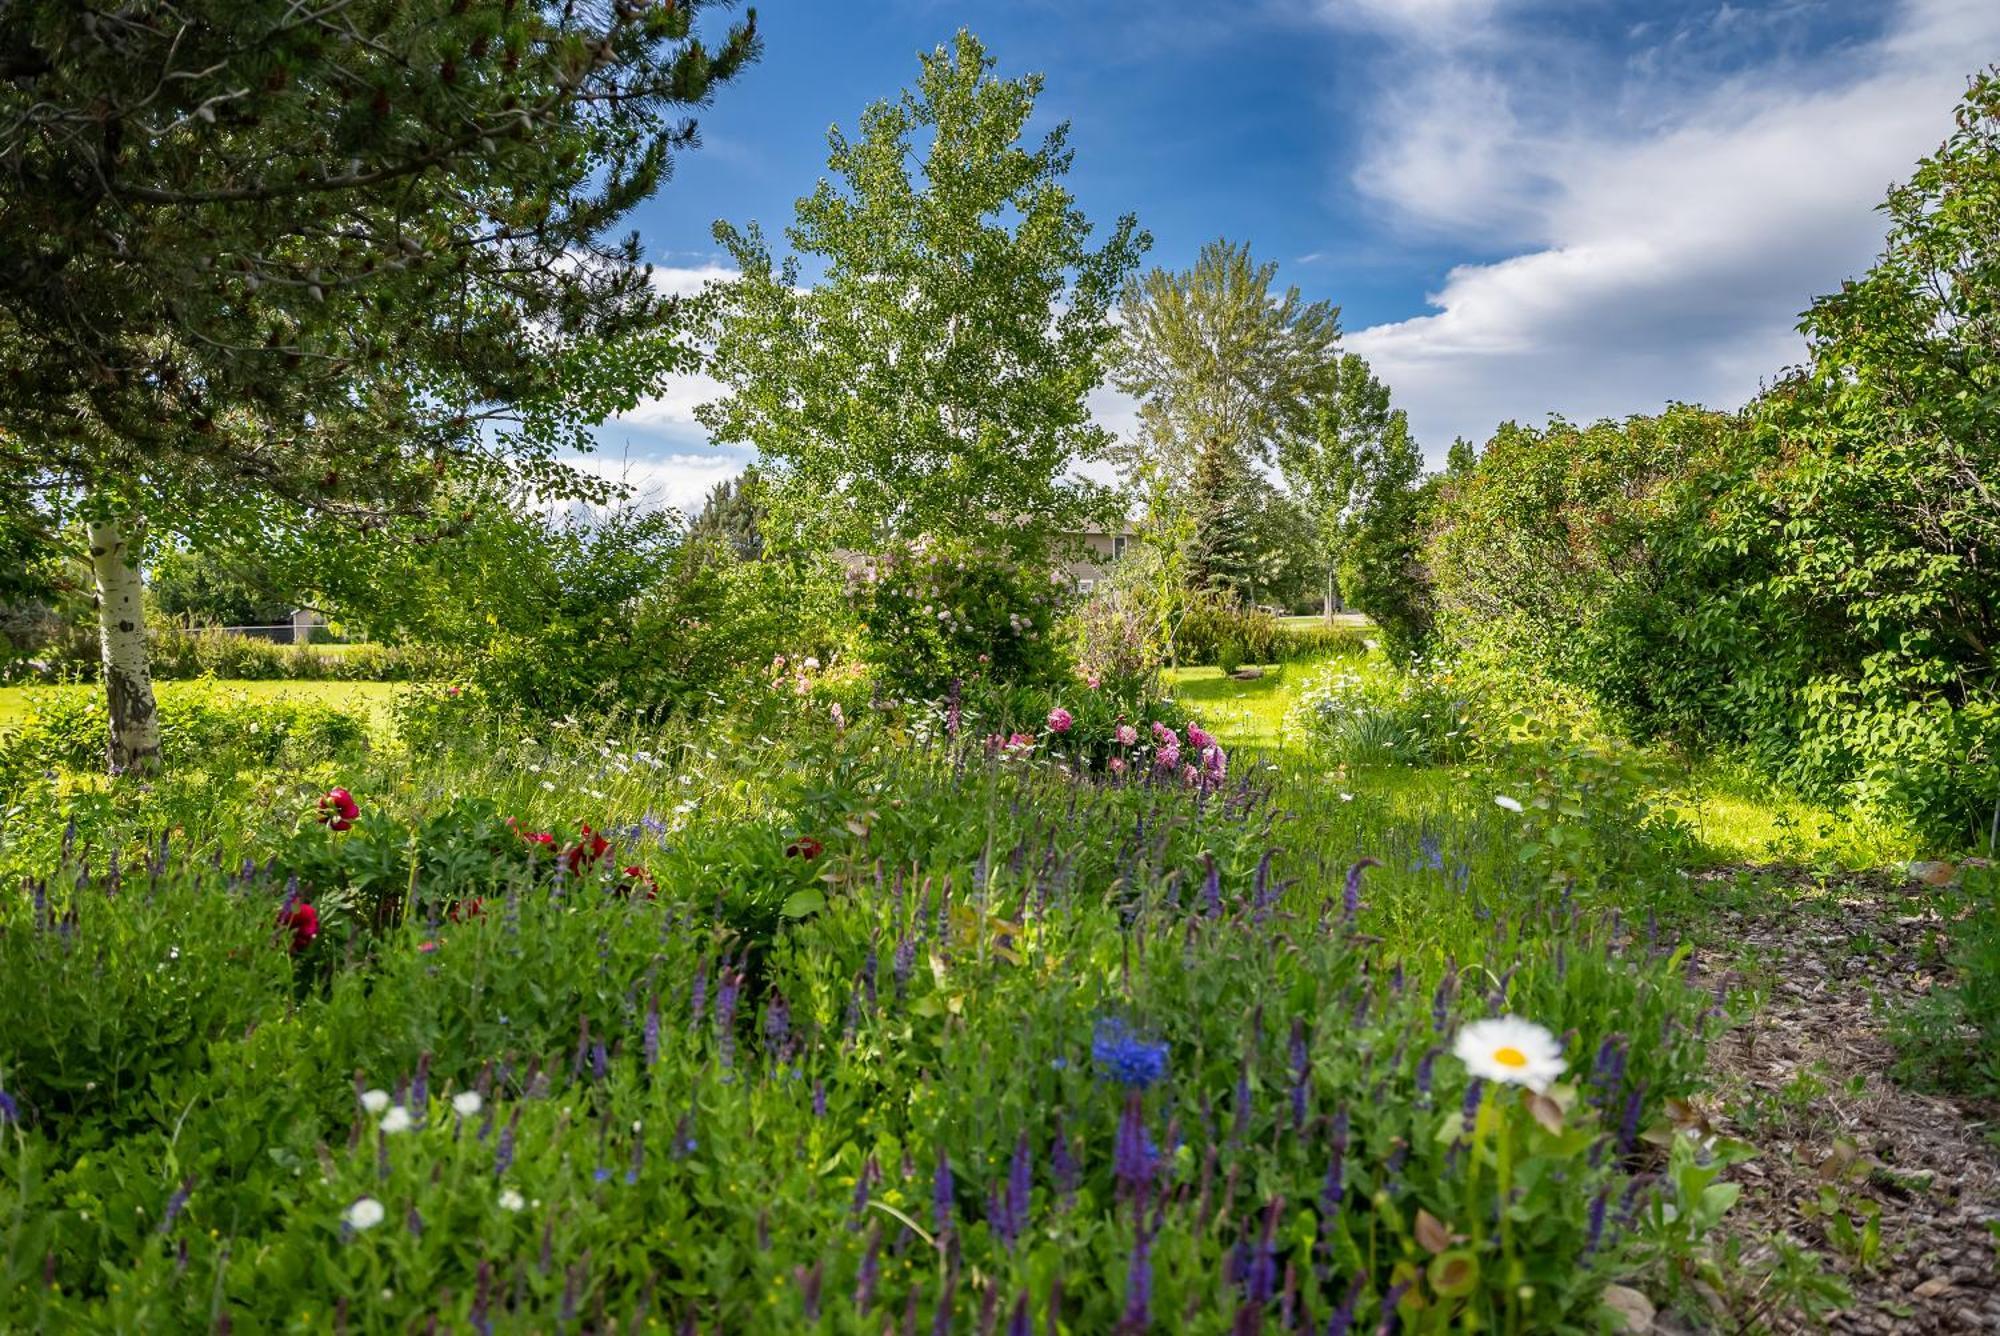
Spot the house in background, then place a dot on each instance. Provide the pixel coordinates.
(1101, 548)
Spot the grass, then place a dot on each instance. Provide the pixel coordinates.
(1737, 818)
(370, 698)
(1312, 619)
(1242, 714)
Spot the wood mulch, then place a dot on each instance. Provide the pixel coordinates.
(1806, 1081)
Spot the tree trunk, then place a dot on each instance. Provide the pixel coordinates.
(133, 743)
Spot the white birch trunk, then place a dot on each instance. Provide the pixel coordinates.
(133, 743)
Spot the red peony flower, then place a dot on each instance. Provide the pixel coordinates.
(303, 920)
(462, 910)
(642, 880)
(586, 850)
(805, 846)
(338, 809)
(541, 837)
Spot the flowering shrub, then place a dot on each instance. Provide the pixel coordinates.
(1362, 713)
(933, 611)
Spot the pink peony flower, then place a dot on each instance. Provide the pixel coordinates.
(1061, 720)
(1116, 765)
(1127, 735)
(1198, 739)
(1189, 775)
(1169, 756)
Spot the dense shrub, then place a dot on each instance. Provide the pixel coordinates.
(936, 610)
(1212, 625)
(184, 653)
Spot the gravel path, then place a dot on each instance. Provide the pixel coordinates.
(1807, 1082)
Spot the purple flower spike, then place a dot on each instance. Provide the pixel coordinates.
(1020, 1185)
(1350, 895)
(1138, 1316)
(943, 1190)
(870, 1274)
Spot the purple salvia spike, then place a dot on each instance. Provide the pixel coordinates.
(942, 1192)
(1020, 1184)
(1350, 894)
(870, 1273)
(652, 1040)
(1138, 1315)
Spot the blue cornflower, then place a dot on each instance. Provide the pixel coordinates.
(1126, 1058)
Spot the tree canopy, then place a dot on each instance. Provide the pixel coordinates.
(932, 378)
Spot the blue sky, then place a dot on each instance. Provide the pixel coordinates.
(1571, 206)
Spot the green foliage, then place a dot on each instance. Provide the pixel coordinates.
(211, 726)
(1211, 624)
(184, 653)
(933, 611)
(679, 1097)
(1369, 712)
(933, 380)
(200, 585)
(1951, 1039)
(734, 513)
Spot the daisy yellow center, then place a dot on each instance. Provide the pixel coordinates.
(1510, 1057)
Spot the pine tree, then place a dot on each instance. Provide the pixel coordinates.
(734, 514)
(260, 255)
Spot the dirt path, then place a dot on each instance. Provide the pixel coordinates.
(1807, 1082)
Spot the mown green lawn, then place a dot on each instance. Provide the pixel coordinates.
(1312, 619)
(1242, 714)
(371, 698)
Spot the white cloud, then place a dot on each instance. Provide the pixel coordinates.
(1666, 229)
(677, 479)
(686, 280)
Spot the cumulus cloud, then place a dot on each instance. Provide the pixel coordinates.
(673, 479)
(1663, 231)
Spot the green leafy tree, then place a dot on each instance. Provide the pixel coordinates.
(218, 587)
(1227, 374)
(932, 380)
(261, 259)
(1381, 569)
(1336, 470)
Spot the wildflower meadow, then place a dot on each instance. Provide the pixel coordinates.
(677, 666)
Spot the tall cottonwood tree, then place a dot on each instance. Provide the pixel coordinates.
(1227, 372)
(258, 255)
(932, 379)
(1347, 468)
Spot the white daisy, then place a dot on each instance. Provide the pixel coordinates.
(366, 1213)
(396, 1120)
(1502, 800)
(1510, 1050)
(511, 1200)
(375, 1100)
(466, 1103)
